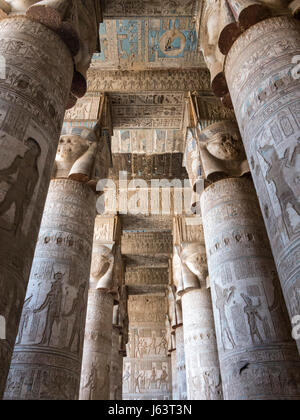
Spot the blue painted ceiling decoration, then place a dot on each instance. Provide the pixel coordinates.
(148, 43)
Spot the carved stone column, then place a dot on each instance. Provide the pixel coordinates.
(201, 353)
(119, 343)
(258, 357)
(266, 100)
(116, 366)
(95, 379)
(47, 357)
(33, 97)
(174, 375)
(262, 78)
(96, 362)
(177, 325)
(46, 362)
(39, 51)
(180, 362)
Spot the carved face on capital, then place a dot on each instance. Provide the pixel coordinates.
(101, 263)
(226, 147)
(194, 257)
(71, 148)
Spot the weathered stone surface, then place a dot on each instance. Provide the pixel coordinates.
(32, 100)
(150, 80)
(150, 243)
(47, 357)
(174, 375)
(96, 361)
(201, 354)
(265, 93)
(116, 367)
(106, 278)
(180, 363)
(258, 357)
(147, 369)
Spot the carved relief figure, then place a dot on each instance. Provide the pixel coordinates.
(252, 313)
(78, 308)
(53, 305)
(284, 173)
(137, 388)
(92, 382)
(22, 187)
(126, 379)
(24, 319)
(163, 380)
(223, 299)
(212, 384)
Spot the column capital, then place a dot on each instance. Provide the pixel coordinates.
(222, 152)
(75, 22)
(224, 21)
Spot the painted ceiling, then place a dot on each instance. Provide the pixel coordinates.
(144, 35)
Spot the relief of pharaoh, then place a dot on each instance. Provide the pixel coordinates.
(222, 152)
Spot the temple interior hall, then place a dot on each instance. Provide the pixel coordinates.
(149, 200)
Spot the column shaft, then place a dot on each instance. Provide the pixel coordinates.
(258, 357)
(46, 362)
(33, 96)
(95, 378)
(265, 91)
(201, 354)
(180, 362)
(174, 376)
(116, 367)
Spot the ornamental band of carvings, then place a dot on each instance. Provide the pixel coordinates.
(151, 243)
(150, 80)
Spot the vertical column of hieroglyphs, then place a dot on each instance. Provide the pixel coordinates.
(263, 81)
(34, 93)
(201, 353)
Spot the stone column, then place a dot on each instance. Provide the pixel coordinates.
(174, 375)
(180, 363)
(96, 362)
(46, 362)
(119, 344)
(33, 97)
(39, 50)
(258, 358)
(95, 377)
(201, 353)
(263, 81)
(266, 100)
(47, 357)
(116, 366)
